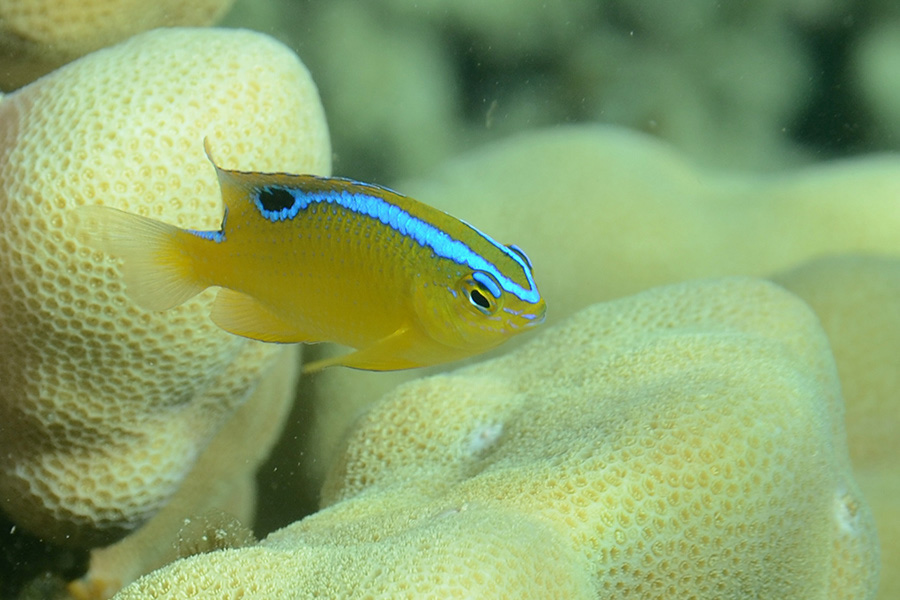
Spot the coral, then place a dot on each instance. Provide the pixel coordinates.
(855, 297)
(105, 408)
(216, 530)
(686, 221)
(580, 195)
(222, 482)
(683, 442)
(38, 36)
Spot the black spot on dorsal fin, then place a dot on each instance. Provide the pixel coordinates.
(275, 199)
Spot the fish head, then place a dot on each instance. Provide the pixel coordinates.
(475, 313)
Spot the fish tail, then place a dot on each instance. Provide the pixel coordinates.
(156, 262)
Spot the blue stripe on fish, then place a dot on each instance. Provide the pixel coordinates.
(521, 253)
(213, 236)
(487, 281)
(406, 224)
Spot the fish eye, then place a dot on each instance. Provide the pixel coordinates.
(479, 295)
(479, 299)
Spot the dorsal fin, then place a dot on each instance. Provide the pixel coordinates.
(235, 186)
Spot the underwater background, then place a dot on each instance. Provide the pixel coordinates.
(617, 141)
(758, 86)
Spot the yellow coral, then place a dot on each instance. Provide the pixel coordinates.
(855, 297)
(223, 479)
(39, 35)
(636, 231)
(684, 442)
(106, 407)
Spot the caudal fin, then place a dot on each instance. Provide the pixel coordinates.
(155, 266)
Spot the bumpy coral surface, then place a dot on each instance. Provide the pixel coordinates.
(584, 195)
(221, 483)
(684, 442)
(39, 35)
(104, 407)
(855, 297)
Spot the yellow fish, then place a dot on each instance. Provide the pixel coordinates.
(301, 258)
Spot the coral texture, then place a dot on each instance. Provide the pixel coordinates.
(577, 196)
(105, 407)
(683, 442)
(37, 36)
(222, 481)
(855, 297)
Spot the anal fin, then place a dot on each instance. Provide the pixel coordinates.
(380, 356)
(244, 315)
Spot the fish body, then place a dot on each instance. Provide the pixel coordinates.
(301, 258)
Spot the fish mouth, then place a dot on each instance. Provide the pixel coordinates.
(530, 319)
(537, 317)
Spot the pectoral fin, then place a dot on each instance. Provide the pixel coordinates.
(246, 316)
(383, 355)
